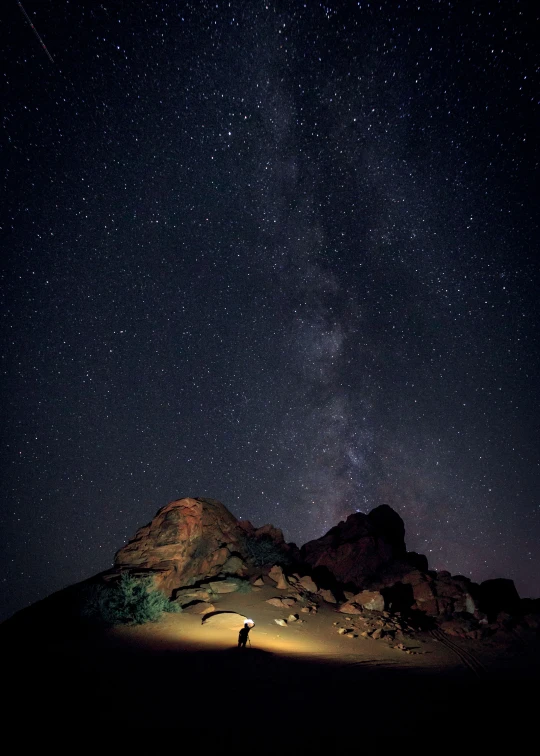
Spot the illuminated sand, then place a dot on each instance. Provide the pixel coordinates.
(314, 638)
(180, 673)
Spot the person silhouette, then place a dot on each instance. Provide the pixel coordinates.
(243, 634)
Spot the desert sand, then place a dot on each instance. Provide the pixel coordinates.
(291, 685)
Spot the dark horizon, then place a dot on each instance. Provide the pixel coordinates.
(277, 255)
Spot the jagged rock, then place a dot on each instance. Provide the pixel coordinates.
(281, 622)
(187, 595)
(285, 601)
(466, 603)
(424, 592)
(269, 531)
(288, 601)
(275, 602)
(377, 634)
(188, 540)
(278, 576)
(307, 583)
(294, 594)
(372, 600)
(350, 608)
(234, 566)
(437, 594)
(192, 539)
(258, 582)
(416, 577)
(292, 618)
(265, 531)
(357, 549)
(327, 595)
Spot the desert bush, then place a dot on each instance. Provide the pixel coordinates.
(263, 551)
(244, 586)
(128, 601)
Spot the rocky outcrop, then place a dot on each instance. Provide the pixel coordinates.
(268, 532)
(359, 550)
(438, 594)
(188, 540)
(368, 553)
(194, 539)
(278, 576)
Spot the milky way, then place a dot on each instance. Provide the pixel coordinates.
(277, 253)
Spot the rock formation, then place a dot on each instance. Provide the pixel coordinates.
(193, 539)
(188, 539)
(198, 553)
(368, 553)
(359, 550)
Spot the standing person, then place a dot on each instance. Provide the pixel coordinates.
(243, 634)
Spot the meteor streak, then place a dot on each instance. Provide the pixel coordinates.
(41, 42)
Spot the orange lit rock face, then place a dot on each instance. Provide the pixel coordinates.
(188, 540)
(194, 539)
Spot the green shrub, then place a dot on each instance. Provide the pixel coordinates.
(128, 601)
(244, 586)
(263, 551)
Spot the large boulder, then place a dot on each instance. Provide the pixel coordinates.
(188, 540)
(358, 549)
(193, 539)
(278, 576)
(440, 594)
(372, 600)
(499, 595)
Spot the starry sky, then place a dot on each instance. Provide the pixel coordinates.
(274, 252)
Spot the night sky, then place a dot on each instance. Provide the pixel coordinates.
(278, 253)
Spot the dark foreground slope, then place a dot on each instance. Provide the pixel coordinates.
(160, 676)
(211, 692)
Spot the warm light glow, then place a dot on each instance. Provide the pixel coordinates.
(185, 632)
